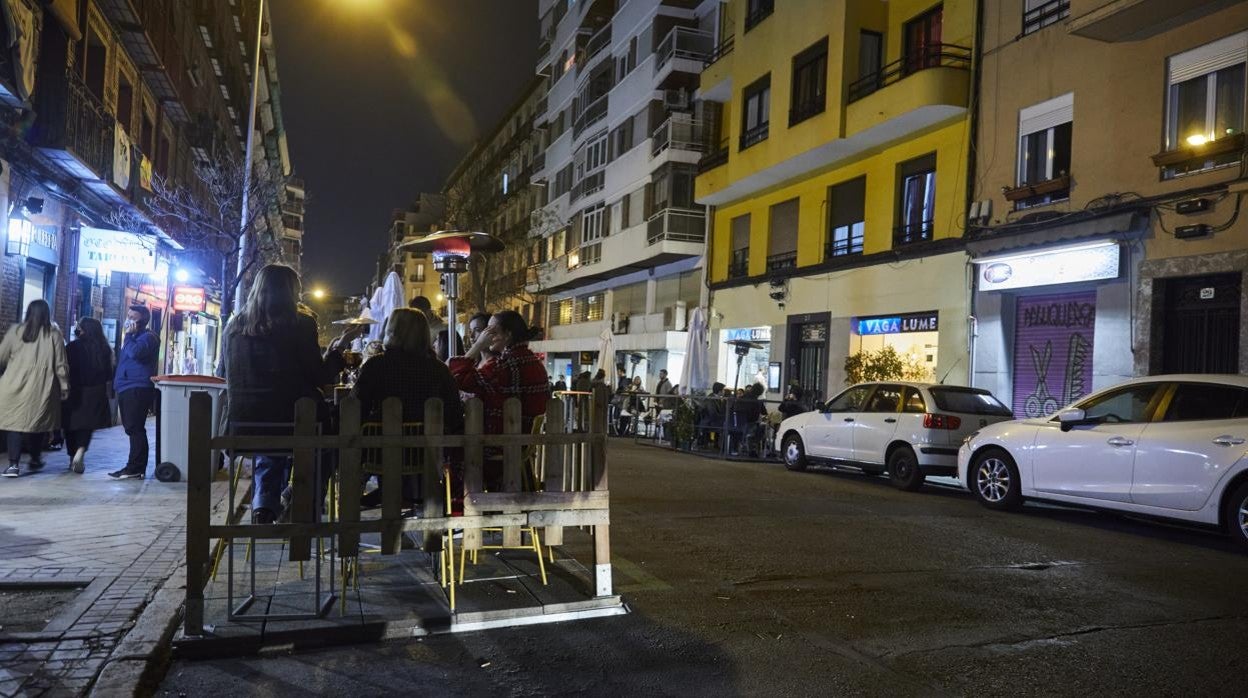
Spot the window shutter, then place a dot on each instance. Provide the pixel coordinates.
(782, 233)
(1046, 115)
(1208, 58)
(741, 232)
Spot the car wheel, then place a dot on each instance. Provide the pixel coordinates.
(794, 453)
(994, 480)
(903, 469)
(1235, 515)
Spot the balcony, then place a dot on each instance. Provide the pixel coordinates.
(594, 46)
(146, 30)
(754, 136)
(910, 95)
(676, 225)
(621, 253)
(590, 115)
(714, 157)
(1132, 20)
(589, 184)
(739, 265)
(686, 50)
(1040, 17)
(911, 233)
(933, 56)
(782, 261)
(74, 129)
(679, 132)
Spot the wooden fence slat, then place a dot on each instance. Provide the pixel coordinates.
(198, 510)
(331, 441)
(513, 463)
(552, 465)
(349, 489)
(598, 470)
(538, 501)
(431, 464)
(391, 477)
(474, 426)
(303, 479)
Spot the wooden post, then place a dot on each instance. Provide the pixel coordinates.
(598, 476)
(431, 463)
(553, 465)
(391, 477)
(198, 510)
(513, 461)
(474, 425)
(303, 479)
(349, 475)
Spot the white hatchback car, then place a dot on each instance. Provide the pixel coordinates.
(1166, 446)
(910, 430)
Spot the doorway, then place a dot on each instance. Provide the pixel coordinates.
(808, 354)
(1200, 324)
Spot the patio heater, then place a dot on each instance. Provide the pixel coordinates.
(742, 348)
(451, 250)
(634, 359)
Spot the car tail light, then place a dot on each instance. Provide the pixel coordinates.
(941, 421)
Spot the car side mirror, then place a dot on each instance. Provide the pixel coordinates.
(1070, 417)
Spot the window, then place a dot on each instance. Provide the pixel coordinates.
(1205, 103)
(622, 138)
(1203, 401)
(885, 399)
(756, 11)
(916, 200)
(592, 221)
(420, 273)
(563, 181)
(851, 400)
(914, 403)
(923, 47)
(673, 186)
(125, 103)
(591, 307)
(739, 265)
(506, 181)
(1038, 14)
(870, 53)
(562, 312)
(1044, 148)
(782, 236)
(969, 401)
(756, 114)
(96, 63)
(810, 78)
(846, 217)
(1129, 404)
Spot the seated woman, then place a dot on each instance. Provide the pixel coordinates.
(513, 372)
(408, 370)
(747, 415)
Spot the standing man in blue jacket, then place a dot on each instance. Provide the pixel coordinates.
(136, 364)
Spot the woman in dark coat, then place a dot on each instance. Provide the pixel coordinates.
(90, 370)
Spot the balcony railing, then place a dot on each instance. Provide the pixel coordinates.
(1049, 13)
(739, 265)
(753, 136)
(932, 56)
(714, 157)
(676, 225)
(723, 48)
(681, 132)
(783, 260)
(910, 233)
(588, 185)
(804, 110)
(596, 44)
(680, 42)
(590, 115)
(73, 120)
(761, 10)
(845, 246)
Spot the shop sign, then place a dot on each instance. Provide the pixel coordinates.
(1061, 265)
(116, 250)
(927, 321)
(189, 299)
(751, 334)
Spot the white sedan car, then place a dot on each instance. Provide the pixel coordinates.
(1166, 446)
(910, 430)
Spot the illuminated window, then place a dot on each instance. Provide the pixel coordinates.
(1205, 102)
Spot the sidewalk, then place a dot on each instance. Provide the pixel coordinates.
(99, 547)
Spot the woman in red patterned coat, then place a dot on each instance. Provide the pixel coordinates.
(514, 371)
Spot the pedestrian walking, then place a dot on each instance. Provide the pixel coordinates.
(90, 371)
(35, 380)
(136, 365)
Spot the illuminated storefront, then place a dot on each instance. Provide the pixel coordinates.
(755, 361)
(913, 336)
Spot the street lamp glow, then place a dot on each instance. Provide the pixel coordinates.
(441, 297)
(182, 276)
(318, 293)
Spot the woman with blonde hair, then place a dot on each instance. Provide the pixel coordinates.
(34, 381)
(272, 359)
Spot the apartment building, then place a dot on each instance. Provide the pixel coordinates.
(837, 225)
(619, 237)
(426, 215)
(1105, 234)
(104, 97)
(292, 207)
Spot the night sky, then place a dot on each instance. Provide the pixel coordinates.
(381, 99)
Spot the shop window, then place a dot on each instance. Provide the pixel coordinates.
(782, 236)
(1044, 153)
(756, 112)
(916, 200)
(1205, 107)
(810, 78)
(739, 263)
(846, 217)
(1038, 14)
(923, 45)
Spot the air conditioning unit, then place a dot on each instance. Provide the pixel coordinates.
(675, 317)
(676, 99)
(619, 323)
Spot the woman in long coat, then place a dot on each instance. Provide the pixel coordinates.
(90, 370)
(35, 380)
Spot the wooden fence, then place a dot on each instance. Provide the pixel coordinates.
(574, 491)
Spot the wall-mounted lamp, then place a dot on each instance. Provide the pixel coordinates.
(20, 233)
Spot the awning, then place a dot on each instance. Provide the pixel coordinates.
(1019, 236)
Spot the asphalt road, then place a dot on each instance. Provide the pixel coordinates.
(746, 579)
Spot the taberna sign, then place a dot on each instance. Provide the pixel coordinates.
(116, 250)
(927, 321)
(1058, 265)
(191, 299)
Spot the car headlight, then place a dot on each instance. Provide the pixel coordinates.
(969, 436)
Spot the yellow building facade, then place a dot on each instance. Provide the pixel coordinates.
(839, 187)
